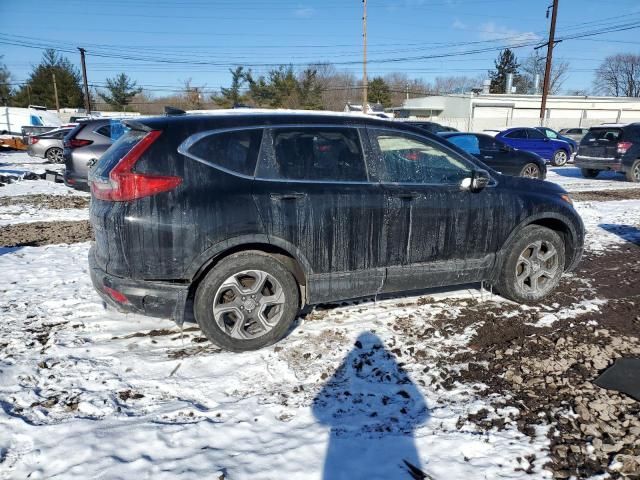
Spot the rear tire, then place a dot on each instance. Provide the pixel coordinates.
(633, 174)
(533, 265)
(54, 155)
(589, 172)
(531, 170)
(560, 158)
(247, 301)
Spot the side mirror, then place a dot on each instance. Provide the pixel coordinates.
(546, 139)
(479, 180)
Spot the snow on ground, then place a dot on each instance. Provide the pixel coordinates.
(610, 222)
(572, 180)
(91, 393)
(26, 213)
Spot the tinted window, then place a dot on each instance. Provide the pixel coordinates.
(602, 135)
(535, 134)
(105, 131)
(236, 151)
(517, 134)
(575, 131)
(469, 143)
(316, 153)
(489, 143)
(116, 151)
(408, 159)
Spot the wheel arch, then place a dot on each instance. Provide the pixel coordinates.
(281, 250)
(553, 221)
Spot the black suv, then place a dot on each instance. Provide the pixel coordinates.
(248, 216)
(614, 148)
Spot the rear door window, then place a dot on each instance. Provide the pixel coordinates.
(315, 154)
(235, 151)
(516, 134)
(534, 134)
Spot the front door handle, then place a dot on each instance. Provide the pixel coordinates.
(288, 196)
(488, 156)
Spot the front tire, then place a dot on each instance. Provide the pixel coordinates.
(560, 158)
(633, 174)
(54, 155)
(247, 301)
(533, 265)
(589, 172)
(531, 170)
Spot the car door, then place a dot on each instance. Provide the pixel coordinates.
(424, 179)
(314, 197)
(498, 155)
(539, 143)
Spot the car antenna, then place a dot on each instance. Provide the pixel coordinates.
(173, 111)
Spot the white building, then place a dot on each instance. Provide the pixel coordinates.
(477, 112)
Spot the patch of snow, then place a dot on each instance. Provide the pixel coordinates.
(585, 306)
(13, 214)
(571, 180)
(606, 222)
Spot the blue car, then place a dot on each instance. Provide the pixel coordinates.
(533, 140)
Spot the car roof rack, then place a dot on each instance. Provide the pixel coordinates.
(173, 111)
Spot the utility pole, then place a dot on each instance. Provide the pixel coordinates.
(364, 58)
(407, 90)
(55, 92)
(547, 69)
(87, 99)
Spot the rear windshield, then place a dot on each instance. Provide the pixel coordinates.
(115, 152)
(602, 136)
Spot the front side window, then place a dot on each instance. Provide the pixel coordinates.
(315, 153)
(235, 150)
(550, 133)
(535, 134)
(408, 159)
(469, 143)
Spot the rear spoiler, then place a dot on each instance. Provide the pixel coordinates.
(134, 125)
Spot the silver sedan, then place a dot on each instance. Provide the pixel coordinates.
(48, 145)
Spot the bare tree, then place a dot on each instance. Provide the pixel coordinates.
(338, 88)
(403, 87)
(453, 84)
(193, 96)
(534, 65)
(619, 76)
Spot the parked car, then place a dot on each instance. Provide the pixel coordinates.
(532, 140)
(431, 127)
(498, 155)
(250, 216)
(82, 147)
(550, 133)
(48, 145)
(614, 148)
(575, 133)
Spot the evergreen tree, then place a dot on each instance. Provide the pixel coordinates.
(229, 97)
(40, 83)
(504, 65)
(379, 92)
(121, 90)
(5, 84)
(310, 90)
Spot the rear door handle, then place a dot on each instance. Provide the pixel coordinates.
(488, 156)
(407, 195)
(288, 196)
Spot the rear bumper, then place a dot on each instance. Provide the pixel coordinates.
(156, 299)
(597, 163)
(73, 181)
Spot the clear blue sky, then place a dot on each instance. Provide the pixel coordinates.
(145, 37)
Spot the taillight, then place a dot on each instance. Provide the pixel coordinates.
(33, 140)
(116, 295)
(125, 185)
(623, 147)
(77, 142)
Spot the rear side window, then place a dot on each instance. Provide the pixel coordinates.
(516, 134)
(602, 136)
(105, 131)
(236, 151)
(315, 153)
(116, 151)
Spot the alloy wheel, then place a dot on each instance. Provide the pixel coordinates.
(536, 268)
(560, 158)
(54, 155)
(248, 304)
(636, 171)
(531, 171)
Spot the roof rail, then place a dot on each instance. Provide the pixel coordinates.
(173, 111)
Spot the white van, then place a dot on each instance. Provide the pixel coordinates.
(12, 119)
